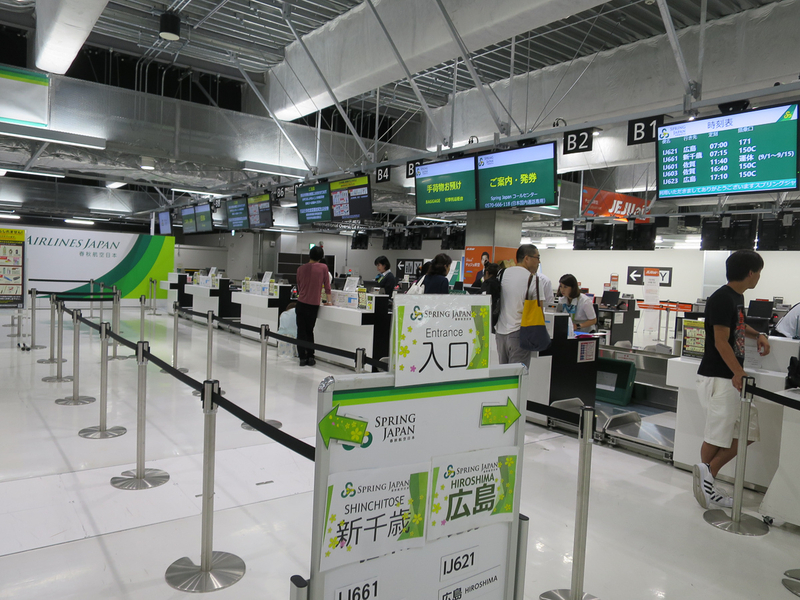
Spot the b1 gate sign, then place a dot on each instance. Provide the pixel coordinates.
(636, 276)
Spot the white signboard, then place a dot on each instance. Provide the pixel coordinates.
(441, 338)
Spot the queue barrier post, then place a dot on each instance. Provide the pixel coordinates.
(737, 522)
(154, 296)
(115, 317)
(586, 433)
(522, 557)
(176, 316)
(209, 350)
(217, 570)
(52, 358)
(360, 353)
(59, 376)
(34, 345)
(141, 478)
(102, 431)
(16, 323)
(262, 392)
(142, 308)
(91, 302)
(76, 399)
(102, 288)
(299, 588)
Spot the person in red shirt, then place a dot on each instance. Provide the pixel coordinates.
(311, 278)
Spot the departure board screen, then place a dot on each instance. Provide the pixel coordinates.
(188, 220)
(165, 223)
(351, 199)
(521, 177)
(447, 186)
(259, 209)
(754, 151)
(202, 213)
(236, 210)
(313, 203)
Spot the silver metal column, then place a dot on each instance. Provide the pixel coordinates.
(91, 302)
(52, 358)
(522, 557)
(262, 392)
(738, 523)
(360, 352)
(103, 432)
(209, 350)
(76, 399)
(217, 570)
(59, 376)
(154, 296)
(16, 320)
(175, 309)
(102, 301)
(141, 478)
(142, 308)
(115, 321)
(575, 592)
(34, 345)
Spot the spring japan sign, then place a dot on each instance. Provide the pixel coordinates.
(441, 338)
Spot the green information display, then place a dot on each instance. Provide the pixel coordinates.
(188, 220)
(313, 203)
(522, 177)
(754, 151)
(447, 186)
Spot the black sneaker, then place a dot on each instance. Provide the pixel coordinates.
(303, 362)
(312, 361)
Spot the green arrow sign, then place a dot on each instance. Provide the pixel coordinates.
(334, 427)
(499, 415)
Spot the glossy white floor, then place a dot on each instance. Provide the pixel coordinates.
(67, 534)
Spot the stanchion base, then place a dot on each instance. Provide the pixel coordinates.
(37, 347)
(792, 585)
(15, 335)
(747, 525)
(152, 478)
(56, 378)
(275, 424)
(73, 401)
(198, 393)
(121, 357)
(94, 433)
(793, 573)
(179, 369)
(226, 569)
(563, 595)
(50, 361)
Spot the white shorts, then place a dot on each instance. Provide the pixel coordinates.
(722, 404)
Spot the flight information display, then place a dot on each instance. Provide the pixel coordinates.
(187, 217)
(351, 199)
(522, 177)
(754, 151)
(237, 214)
(447, 186)
(165, 223)
(202, 213)
(259, 208)
(313, 203)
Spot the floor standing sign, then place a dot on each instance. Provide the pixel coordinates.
(417, 470)
(12, 265)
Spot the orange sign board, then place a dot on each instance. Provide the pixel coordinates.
(601, 203)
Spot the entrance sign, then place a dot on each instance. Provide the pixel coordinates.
(441, 338)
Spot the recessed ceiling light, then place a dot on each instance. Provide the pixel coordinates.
(148, 163)
(39, 173)
(79, 222)
(115, 185)
(8, 216)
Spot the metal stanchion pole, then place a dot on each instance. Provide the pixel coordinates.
(586, 432)
(34, 345)
(154, 296)
(360, 352)
(102, 301)
(299, 589)
(91, 302)
(76, 399)
(16, 320)
(262, 392)
(52, 358)
(522, 557)
(59, 376)
(141, 478)
(176, 316)
(217, 570)
(738, 523)
(103, 432)
(209, 350)
(142, 308)
(115, 321)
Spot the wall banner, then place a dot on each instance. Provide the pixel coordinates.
(25, 97)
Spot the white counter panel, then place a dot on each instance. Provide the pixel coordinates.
(340, 327)
(203, 301)
(782, 500)
(256, 311)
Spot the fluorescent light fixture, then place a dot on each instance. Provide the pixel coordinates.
(554, 240)
(90, 219)
(8, 216)
(119, 211)
(201, 193)
(630, 190)
(257, 167)
(115, 185)
(39, 173)
(148, 163)
(596, 132)
(79, 221)
(53, 137)
(432, 219)
(543, 211)
(289, 205)
(280, 230)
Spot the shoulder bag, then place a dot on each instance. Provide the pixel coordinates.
(533, 334)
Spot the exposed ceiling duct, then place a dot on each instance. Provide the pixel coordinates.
(62, 27)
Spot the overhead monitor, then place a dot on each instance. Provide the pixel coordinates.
(188, 219)
(753, 151)
(236, 210)
(202, 213)
(165, 223)
(521, 177)
(351, 199)
(313, 203)
(259, 210)
(447, 186)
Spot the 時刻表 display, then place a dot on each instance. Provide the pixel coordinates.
(351, 199)
(447, 186)
(521, 177)
(236, 210)
(202, 213)
(755, 151)
(188, 220)
(314, 203)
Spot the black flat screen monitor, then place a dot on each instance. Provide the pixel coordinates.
(236, 210)
(447, 186)
(610, 298)
(188, 220)
(202, 213)
(351, 199)
(165, 223)
(314, 203)
(520, 177)
(761, 309)
(752, 151)
(259, 210)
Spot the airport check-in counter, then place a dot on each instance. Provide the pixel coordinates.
(770, 374)
(257, 309)
(175, 285)
(618, 322)
(218, 299)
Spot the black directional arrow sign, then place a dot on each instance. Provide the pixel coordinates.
(636, 276)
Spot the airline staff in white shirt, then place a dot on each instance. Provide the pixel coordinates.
(578, 305)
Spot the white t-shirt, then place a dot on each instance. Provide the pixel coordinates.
(580, 309)
(512, 297)
(788, 325)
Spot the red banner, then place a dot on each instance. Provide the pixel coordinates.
(600, 203)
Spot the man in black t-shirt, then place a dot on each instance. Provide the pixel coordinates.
(720, 374)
